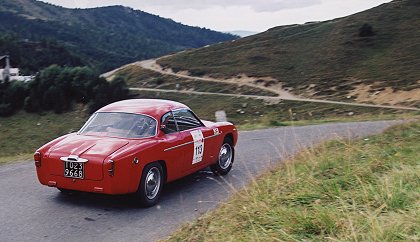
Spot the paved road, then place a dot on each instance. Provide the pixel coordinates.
(31, 212)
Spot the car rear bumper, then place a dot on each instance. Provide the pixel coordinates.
(108, 185)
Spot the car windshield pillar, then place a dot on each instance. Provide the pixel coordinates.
(169, 124)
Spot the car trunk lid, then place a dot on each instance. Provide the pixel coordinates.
(90, 148)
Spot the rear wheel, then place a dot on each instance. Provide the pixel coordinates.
(151, 184)
(225, 160)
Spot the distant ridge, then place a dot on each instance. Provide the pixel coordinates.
(242, 33)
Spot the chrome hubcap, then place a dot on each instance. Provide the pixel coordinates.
(225, 156)
(152, 183)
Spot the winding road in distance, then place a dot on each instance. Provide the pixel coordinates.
(31, 212)
(282, 94)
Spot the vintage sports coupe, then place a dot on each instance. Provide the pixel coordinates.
(135, 146)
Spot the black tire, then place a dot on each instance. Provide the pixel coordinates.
(148, 193)
(225, 160)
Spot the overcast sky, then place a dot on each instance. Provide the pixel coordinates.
(229, 15)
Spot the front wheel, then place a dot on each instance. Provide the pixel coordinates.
(225, 159)
(151, 184)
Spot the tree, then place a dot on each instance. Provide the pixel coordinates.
(56, 88)
(6, 109)
(119, 89)
(30, 105)
(12, 96)
(15, 95)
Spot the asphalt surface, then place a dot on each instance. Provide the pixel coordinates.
(31, 212)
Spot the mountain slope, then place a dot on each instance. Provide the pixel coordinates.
(32, 56)
(105, 37)
(378, 47)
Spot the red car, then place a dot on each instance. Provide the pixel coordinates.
(135, 146)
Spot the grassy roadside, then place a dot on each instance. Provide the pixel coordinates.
(22, 133)
(364, 190)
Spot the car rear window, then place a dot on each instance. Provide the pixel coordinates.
(121, 125)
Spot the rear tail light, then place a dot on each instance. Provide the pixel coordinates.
(110, 167)
(37, 159)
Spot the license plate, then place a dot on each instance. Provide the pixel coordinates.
(74, 170)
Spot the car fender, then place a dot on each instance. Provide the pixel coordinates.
(226, 128)
(133, 159)
(45, 149)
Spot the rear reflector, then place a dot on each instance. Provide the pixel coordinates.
(52, 183)
(37, 159)
(110, 167)
(98, 189)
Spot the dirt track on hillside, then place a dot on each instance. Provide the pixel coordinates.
(282, 94)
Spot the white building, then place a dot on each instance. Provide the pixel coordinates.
(15, 75)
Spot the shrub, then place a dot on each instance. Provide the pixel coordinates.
(12, 95)
(5, 109)
(366, 31)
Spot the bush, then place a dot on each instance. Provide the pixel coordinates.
(30, 105)
(197, 72)
(5, 109)
(366, 31)
(12, 95)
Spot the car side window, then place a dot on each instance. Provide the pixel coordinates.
(186, 120)
(169, 122)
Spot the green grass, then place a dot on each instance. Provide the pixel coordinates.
(136, 76)
(259, 114)
(364, 190)
(16, 158)
(23, 133)
(329, 55)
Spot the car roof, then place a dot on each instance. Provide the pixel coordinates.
(152, 107)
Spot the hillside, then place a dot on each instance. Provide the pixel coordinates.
(104, 37)
(374, 51)
(31, 56)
